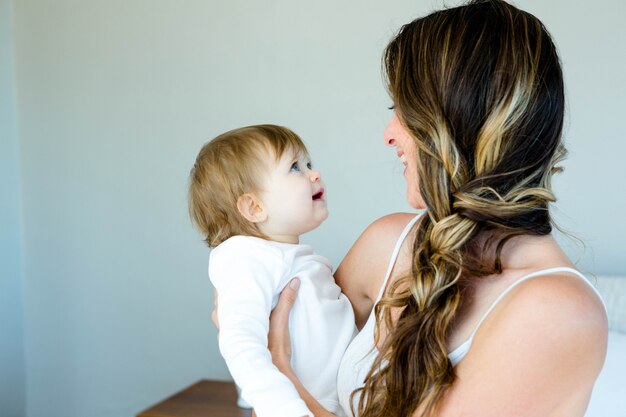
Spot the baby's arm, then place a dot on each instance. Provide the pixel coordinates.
(246, 286)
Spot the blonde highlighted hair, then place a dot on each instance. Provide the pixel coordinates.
(228, 167)
(480, 89)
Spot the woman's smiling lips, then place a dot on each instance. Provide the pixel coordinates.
(402, 157)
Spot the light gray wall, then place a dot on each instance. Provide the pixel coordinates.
(116, 98)
(12, 372)
(591, 37)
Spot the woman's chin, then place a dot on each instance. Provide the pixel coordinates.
(415, 200)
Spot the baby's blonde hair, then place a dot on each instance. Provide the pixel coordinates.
(228, 167)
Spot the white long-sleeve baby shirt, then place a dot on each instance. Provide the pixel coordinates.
(249, 273)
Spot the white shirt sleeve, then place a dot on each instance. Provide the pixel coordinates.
(247, 275)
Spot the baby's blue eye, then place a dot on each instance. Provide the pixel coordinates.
(309, 165)
(294, 167)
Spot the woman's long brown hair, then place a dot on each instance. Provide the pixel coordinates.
(480, 89)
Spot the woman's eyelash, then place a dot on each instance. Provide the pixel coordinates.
(392, 107)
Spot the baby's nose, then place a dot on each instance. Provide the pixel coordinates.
(315, 175)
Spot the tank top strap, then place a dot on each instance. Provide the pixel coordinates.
(396, 251)
(460, 352)
(526, 278)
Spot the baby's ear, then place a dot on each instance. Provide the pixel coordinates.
(251, 208)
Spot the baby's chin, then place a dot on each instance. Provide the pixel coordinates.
(324, 217)
(318, 221)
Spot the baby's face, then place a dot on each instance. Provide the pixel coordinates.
(293, 197)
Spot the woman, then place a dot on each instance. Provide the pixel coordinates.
(470, 308)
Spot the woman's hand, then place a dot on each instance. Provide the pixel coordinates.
(278, 342)
(214, 313)
(279, 345)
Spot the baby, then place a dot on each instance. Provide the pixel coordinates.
(253, 192)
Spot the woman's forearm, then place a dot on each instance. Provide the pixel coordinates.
(313, 405)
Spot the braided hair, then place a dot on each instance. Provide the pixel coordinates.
(480, 89)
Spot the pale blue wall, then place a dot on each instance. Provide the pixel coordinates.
(12, 384)
(115, 99)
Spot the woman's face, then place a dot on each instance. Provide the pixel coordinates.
(397, 136)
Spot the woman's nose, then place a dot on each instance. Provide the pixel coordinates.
(388, 133)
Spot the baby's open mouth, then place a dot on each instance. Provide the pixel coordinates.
(318, 196)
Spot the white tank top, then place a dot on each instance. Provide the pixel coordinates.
(360, 354)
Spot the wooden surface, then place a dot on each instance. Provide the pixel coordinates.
(202, 399)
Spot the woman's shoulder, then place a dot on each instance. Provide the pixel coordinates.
(552, 291)
(375, 245)
(388, 227)
(550, 335)
(560, 290)
(560, 303)
(547, 288)
(363, 269)
(379, 238)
